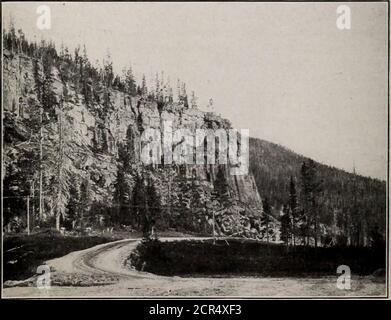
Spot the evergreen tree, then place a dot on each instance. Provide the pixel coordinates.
(184, 95)
(73, 207)
(85, 203)
(107, 72)
(266, 221)
(193, 100)
(293, 209)
(285, 226)
(157, 86)
(376, 239)
(130, 83)
(144, 89)
(63, 175)
(146, 203)
(153, 210)
(310, 191)
(117, 83)
(51, 130)
(19, 174)
(178, 91)
(122, 189)
(138, 201)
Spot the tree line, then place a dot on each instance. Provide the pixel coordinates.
(94, 79)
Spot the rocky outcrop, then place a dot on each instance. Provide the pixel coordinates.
(93, 134)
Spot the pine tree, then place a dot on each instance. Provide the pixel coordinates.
(376, 239)
(178, 91)
(108, 73)
(12, 36)
(193, 100)
(19, 173)
(146, 203)
(130, 83)
(144, 89)
(44, 83)
(310, 191)
(117, 83)
(138, 200)
(157, 86)
(51, 126)
(286, 226)
(121, 189)
(73, 206)
(154, 208)
(170, 93)
(85, 203)
(184, 95)
(293, 209)
(63, 184)
(266, 221)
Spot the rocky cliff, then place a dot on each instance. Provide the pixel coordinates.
(83, 156)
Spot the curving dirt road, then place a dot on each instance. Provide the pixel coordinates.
(100, 271)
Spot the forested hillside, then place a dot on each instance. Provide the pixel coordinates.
(348, 203)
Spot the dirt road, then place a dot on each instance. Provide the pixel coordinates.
(100, 272)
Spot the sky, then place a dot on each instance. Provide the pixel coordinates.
(282, 70)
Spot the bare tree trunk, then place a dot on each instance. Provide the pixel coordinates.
(40, 170)
(32, 192)
(58, 211)
(316, 232)
(57, 222)
(28, 214)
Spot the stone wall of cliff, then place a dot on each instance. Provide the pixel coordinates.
(91, 136)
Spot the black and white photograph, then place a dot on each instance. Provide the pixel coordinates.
(167, 150)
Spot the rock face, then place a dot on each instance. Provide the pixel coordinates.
(91, 137)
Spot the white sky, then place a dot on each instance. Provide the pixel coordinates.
(282, 70)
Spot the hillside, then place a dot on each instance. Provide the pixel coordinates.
(345, 197)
